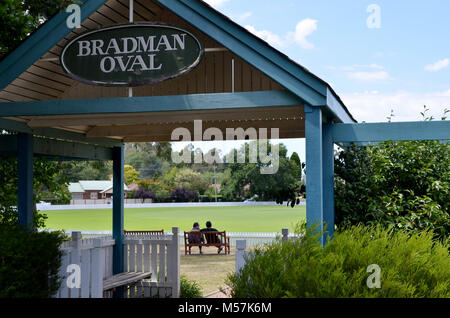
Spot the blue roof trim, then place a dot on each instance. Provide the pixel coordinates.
(40, 42)
(150, 103)
(336, 107)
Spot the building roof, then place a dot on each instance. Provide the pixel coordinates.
(92, 185)
(75, 187)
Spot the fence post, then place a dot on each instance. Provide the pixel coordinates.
(285, 233)
(176, 263)
(75, 259)
(240, 253)
(98, 260)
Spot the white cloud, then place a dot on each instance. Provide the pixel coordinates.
(375, 106)
(215, 3)
(302, 30)
(243, 16)
(271, 38)
(439, 65)
(369, 76)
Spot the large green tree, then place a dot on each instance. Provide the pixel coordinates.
(19, 18)
(246, 179)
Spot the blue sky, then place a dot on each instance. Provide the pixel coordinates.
(378, 55)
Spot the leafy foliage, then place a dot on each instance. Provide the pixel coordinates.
(411, 266)
(403, 184)
(47, 179)
(181, 194)
(246, 180)
(20, 18)
(189, 288)
(29, 262)
(143, 194)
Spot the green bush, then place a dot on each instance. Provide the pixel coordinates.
(404, 185)
(29, 262)
(189, 288)
(412, 265)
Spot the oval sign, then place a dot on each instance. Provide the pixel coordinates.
(131, 54)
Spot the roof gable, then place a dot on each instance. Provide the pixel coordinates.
(250, 49)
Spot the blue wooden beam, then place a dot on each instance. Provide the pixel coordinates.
(13, 125)
(377, 132)
(328, 180)
(58, 149)
(40, 42)
(314, 169)
(118, 209)
(338, 109)
(25, 179)
(150, 104)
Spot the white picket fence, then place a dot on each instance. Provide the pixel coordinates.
(158, 254)
(87, 262)
(252, 238)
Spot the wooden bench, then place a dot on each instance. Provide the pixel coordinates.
(124, 279)
(198, 238)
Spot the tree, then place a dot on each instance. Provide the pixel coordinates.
(19, 18)
(284, 185)
(145, 161)
(181, 194)
(404, 184)
(130, 174)
(191, 180)
(143, 194)
(46, 178)
(88, 170)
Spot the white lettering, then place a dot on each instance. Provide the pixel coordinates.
(164, 41)
(127, 50)
(97, 45)
(84, 48)
(151, 66)
(112, 64)
(113, 45)
(148, 46)
(123, 67)
(180, 39)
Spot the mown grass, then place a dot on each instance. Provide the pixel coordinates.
(230, 219)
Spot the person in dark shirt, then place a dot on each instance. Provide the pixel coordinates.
(196, 237)
(211, 238)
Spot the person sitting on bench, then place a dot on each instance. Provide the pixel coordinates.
(196, 237)
(210, 237)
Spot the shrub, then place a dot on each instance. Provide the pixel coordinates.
(404, 185)
(180, 194)
(29, 262)
(189, 288)
(411, 266)
(143, 194)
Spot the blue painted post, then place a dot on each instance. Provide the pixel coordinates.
(25, 179)
(328, 179)
(314, 167)
(118, 209)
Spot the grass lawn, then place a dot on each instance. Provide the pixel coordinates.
(208, 270)
(231, 219)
